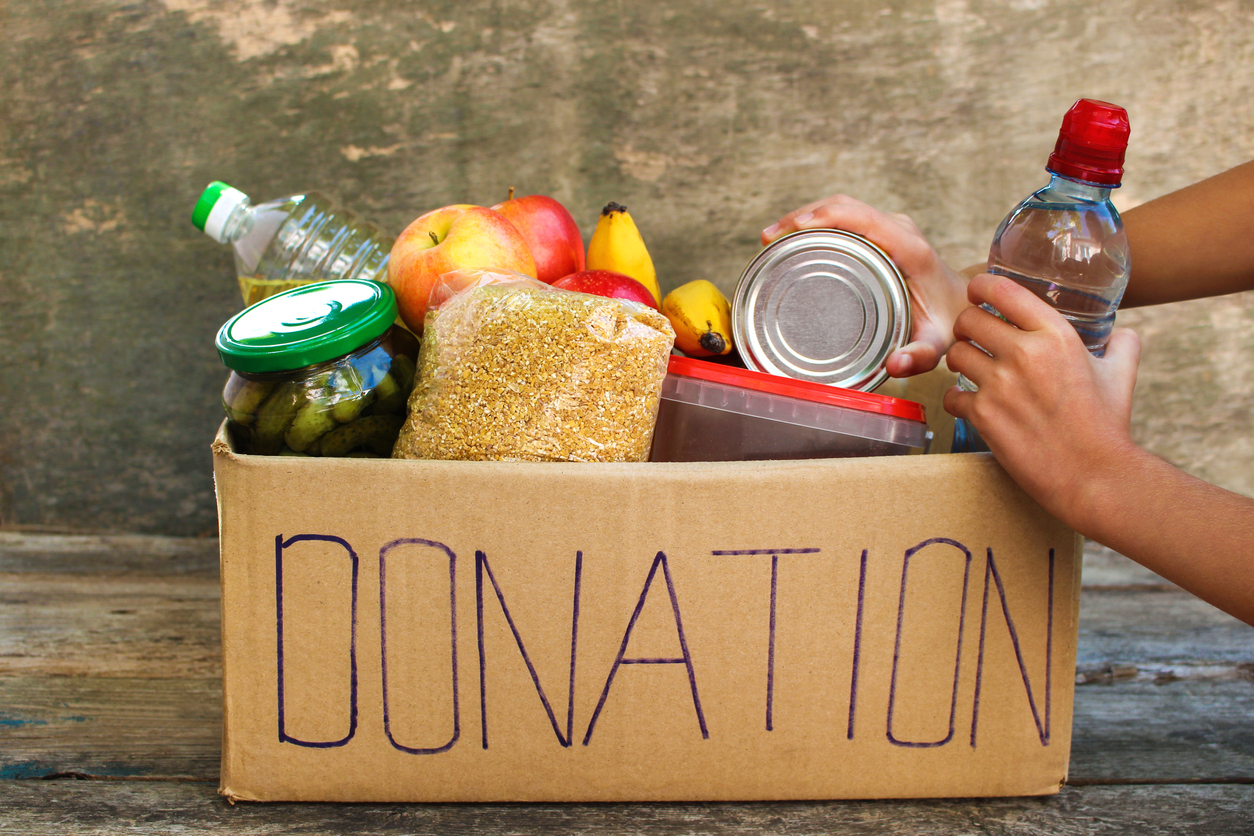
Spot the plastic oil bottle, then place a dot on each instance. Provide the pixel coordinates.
(291, 241)
(1066, 242)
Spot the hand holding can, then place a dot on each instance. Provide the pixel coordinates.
(824, 306)
(937, 294)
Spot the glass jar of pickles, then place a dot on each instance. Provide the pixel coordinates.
(321, 370)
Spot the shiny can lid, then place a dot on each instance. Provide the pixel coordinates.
(821, 305)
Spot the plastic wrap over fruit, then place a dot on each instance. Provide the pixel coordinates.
(513, 369)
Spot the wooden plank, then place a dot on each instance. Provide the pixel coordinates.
(110, 727)
(1128, 730)
(40, 807)
(1157, 630)
(1131, 727)
(1183, 730)
(1105, 567)
(114, 625)
(106, 554)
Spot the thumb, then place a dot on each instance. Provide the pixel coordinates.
(916, 358)
(1123, 354)
(922, 354)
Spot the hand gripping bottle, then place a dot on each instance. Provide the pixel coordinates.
(291, 241)
(1066, 242)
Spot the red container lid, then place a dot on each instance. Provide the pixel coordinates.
(1091, 143)
(773, 384)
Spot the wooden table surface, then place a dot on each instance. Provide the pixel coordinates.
(110, 715)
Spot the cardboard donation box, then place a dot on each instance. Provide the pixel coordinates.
(470, 631)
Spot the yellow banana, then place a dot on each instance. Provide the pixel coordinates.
(616, 245)
(701, 317)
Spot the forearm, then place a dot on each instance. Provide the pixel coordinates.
(1058, 420)
(1195, 242)
(1194, 534)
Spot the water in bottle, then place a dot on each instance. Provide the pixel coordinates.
(1066, 242)
(291, 241)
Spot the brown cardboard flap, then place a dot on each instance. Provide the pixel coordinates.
(458, 631)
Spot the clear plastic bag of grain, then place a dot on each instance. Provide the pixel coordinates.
(513, 369)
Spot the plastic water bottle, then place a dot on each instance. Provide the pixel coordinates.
(1066, 242)
(291, 241)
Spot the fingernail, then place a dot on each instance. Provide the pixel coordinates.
(771, 230)
(800, 219)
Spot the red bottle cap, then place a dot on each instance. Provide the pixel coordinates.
(1091, 143)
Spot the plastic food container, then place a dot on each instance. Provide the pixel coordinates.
(711, 412)
(318, 371)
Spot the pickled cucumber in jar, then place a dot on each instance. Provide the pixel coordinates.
(320, 370)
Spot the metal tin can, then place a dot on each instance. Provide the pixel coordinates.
(821, 305)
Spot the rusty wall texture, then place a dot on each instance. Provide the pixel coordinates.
(707, 119)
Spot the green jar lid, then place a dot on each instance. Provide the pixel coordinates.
(306, 325)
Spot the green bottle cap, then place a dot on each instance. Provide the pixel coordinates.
(306, 325)
(204, 206)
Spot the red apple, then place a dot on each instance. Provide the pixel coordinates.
(457, 237)
(607, 283)
(550, 231)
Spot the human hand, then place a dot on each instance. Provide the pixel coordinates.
(937, 293)
(1054, 416)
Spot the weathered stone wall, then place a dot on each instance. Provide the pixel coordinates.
(707, 119)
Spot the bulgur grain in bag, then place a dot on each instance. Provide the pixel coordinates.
(514, 369)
